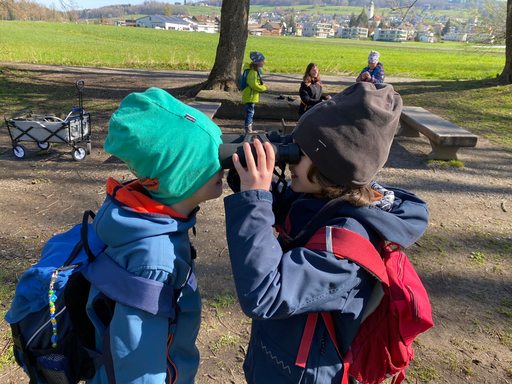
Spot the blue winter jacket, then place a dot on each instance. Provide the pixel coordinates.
(279, 290)
(150, 240)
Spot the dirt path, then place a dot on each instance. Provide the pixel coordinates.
(464, 258)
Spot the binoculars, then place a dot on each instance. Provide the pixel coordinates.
(285, 150)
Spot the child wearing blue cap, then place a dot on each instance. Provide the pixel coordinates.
(172, 149)
(251, 93)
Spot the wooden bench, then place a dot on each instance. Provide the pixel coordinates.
(209, 108)
(286, 128)
(445, 138)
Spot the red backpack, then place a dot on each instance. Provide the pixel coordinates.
(397, 312)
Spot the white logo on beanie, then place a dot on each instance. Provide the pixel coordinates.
(321, 142)
(191, 118)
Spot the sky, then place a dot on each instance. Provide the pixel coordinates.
(91, 4)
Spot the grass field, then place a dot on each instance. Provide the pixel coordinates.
(96, 45)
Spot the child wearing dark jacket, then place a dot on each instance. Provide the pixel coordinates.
(344, 142)
(311, 89)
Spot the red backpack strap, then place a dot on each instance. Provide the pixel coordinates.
(347, 244)
(348, 356)
(344, 244)
(307, 338)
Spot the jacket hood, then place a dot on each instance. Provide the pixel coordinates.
(402, 220)
(129, 214)
(247, 66)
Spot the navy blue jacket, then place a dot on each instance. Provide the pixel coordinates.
(279, 290)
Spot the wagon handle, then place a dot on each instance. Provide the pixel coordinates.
(80, 85)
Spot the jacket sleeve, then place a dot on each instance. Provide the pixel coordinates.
(253, 80)
(378, 76)
(304, 96)
(359, 78)
(138, 343)
(282, 200)
(271, 284)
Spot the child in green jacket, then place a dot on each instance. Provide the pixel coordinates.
(251, 93)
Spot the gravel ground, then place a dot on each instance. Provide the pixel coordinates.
(464, 258)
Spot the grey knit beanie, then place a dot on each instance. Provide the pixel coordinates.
(348, 137)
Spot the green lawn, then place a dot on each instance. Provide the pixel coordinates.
(97, 45)
(476, 105)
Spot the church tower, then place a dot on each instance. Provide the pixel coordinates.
(370, 10)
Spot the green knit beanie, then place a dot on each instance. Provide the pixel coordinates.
(172, 148)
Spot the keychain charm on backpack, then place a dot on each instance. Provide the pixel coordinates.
(51, 302)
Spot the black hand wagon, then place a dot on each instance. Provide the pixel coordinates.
(25, 126)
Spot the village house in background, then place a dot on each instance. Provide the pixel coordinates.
(370, 26)
(354, 33)
(321, 30)
(164, 22)
(208, 24)
(390, 35)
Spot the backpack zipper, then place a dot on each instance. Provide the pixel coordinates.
(51, 301)
(42, 327)
(401, 266)
(415, 306)
(169, 341)
(414, 303)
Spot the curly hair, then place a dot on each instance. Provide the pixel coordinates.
(359, 197)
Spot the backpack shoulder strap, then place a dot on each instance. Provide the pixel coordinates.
(347, 244)
(307, 338)
(124, 287)
(131, 290)
(317, 222)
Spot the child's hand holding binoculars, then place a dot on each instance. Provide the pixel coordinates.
(256, 176)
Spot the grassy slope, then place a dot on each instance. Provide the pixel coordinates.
(457, 90)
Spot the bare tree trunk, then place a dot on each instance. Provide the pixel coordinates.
(230, 50)
(506, 75)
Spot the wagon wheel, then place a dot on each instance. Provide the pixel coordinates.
(19, 151)
(79, 153)
(44, 145)
(89, 148)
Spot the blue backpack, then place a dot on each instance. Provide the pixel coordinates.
(53, 338)
(243, 80)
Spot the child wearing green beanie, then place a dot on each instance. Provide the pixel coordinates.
(172, 149)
